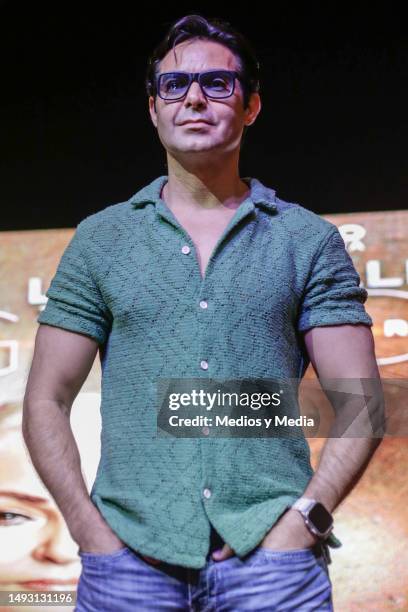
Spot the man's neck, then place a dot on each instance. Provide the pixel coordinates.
(216, 192)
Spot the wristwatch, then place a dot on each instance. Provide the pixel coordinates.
(317, 518)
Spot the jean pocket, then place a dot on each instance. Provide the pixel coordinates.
(103, 557)
(292, 557)
(291, 552)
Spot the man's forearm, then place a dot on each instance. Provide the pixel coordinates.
(54, 453)
(355, 434)
(342, 463)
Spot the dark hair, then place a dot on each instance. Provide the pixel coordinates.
(215, 29)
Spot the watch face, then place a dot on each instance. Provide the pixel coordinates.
(320, 517)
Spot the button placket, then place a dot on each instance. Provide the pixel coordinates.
(203, 363)
(202, 348)
(202, 323)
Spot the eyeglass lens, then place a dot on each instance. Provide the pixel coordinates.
(215, 84)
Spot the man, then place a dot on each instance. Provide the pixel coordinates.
(201, 274)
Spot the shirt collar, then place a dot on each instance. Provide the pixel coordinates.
(260, 194)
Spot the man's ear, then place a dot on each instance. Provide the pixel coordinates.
(253, 109)
(152, 110)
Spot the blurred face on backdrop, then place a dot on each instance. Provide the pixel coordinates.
(36, 549)
(219, 131)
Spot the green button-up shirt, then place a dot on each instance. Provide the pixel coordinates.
(127, 280)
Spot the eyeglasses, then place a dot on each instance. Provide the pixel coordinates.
(214, 83)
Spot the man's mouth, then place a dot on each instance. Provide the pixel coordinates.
(192, 121)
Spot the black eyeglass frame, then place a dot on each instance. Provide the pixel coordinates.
(195, 76)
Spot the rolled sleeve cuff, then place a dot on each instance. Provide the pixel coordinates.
(72, 320)
(352, 314)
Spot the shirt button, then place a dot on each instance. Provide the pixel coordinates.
(204, 365)
(206, 431)
(185, 249)
(207, 493)
(203, 304)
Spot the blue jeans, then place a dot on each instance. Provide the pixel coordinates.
(264, 580)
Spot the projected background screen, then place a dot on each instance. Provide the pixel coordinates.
(370, 570)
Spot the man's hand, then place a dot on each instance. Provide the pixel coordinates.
(98, 538)
(288, 533)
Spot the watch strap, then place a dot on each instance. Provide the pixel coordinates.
(332, 541)
(303, 504)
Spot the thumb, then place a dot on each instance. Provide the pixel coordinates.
(223, 553)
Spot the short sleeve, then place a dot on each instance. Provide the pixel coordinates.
(332, 294)
(74, 300)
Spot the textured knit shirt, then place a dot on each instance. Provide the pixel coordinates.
(130, 279)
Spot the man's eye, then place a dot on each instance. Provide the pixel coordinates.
(218, 83)
(12, 518)
(173, 84)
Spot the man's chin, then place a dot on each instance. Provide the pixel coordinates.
(198, 150)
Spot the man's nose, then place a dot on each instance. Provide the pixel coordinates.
(195, 95)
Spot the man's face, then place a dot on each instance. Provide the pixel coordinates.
(226, 117)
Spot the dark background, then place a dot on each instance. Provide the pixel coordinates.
(76, 134)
